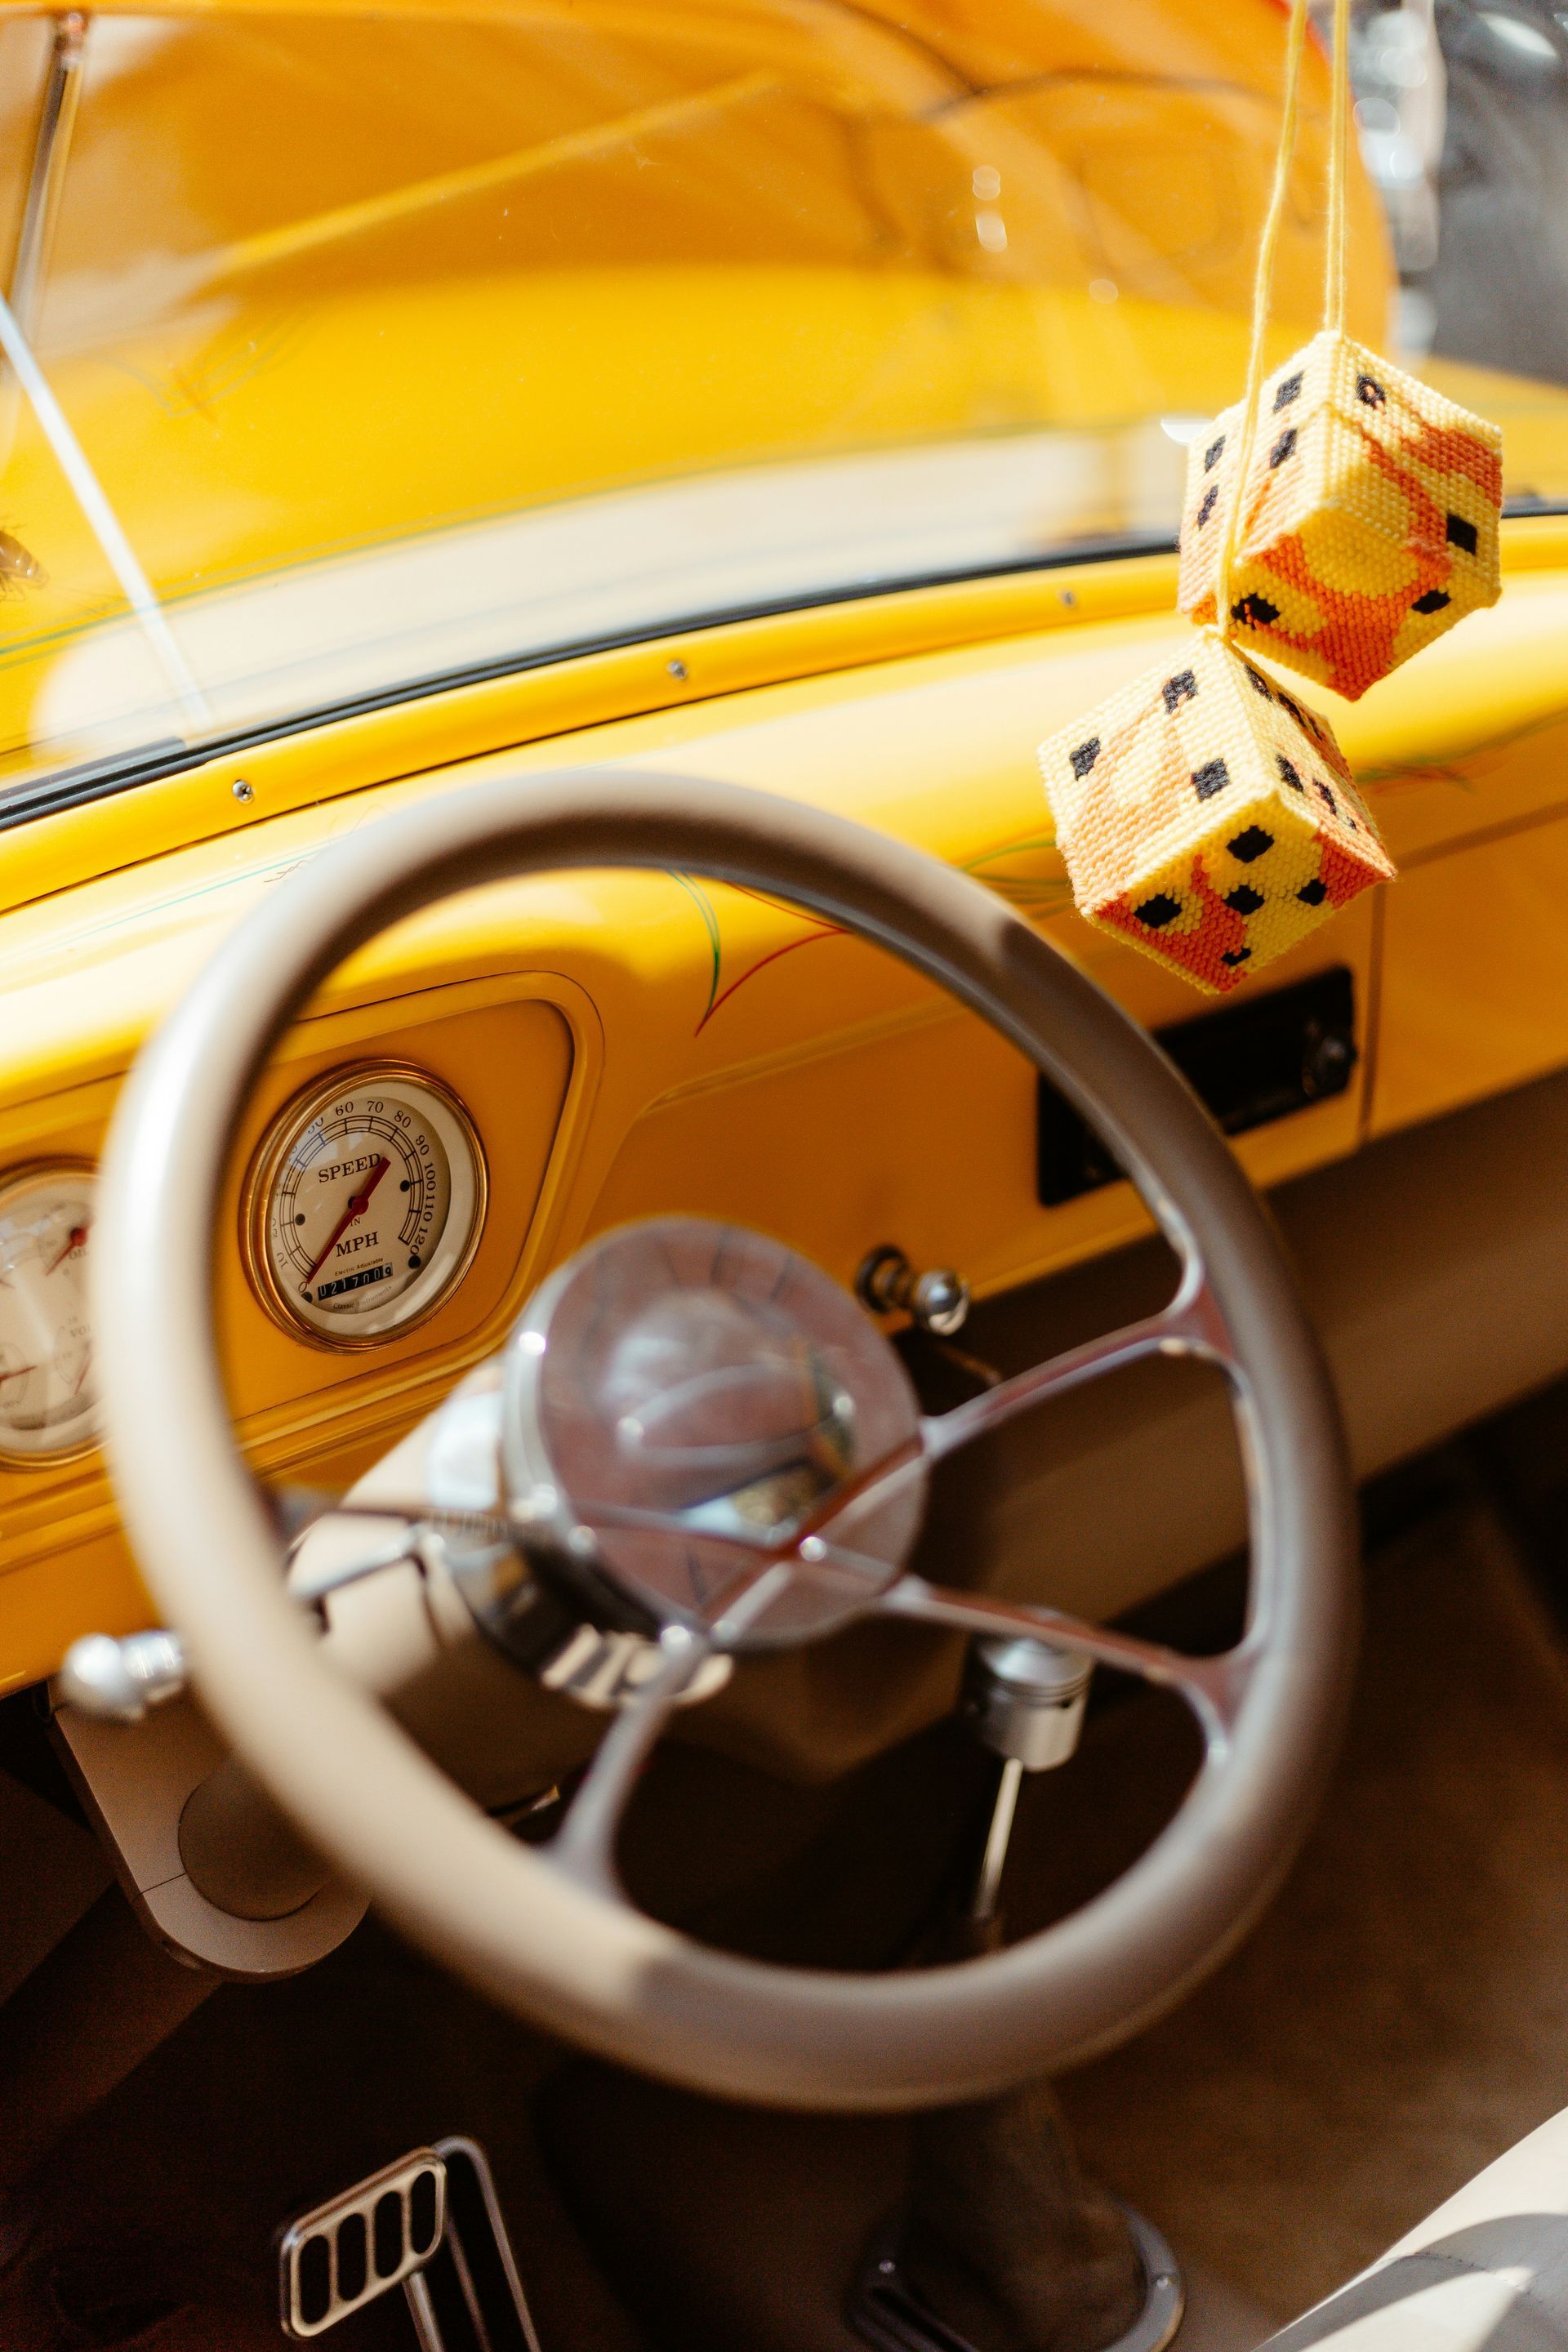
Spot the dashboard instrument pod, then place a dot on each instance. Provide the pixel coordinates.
(736, 1412)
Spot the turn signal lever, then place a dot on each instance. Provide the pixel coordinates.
(117, 1681)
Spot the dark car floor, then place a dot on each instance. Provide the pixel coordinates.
(1400, 2016)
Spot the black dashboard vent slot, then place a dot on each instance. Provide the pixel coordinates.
(1250, 1062)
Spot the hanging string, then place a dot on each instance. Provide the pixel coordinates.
(1339, 173)
(1262, 290)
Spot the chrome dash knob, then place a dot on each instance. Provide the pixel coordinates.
(937, 1300)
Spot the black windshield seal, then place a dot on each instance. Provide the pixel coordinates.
(78, 787)
(71, 788)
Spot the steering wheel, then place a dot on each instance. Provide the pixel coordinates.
(547, 1930)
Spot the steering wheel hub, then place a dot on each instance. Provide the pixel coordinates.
(684, 1399)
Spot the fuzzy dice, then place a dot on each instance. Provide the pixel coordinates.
(1370, 523)
(1208, 817)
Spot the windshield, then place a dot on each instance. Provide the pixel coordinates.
(349, 355)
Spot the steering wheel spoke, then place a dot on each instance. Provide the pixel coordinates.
(583, 1846)
(1214, 1689)
(1193, 1325)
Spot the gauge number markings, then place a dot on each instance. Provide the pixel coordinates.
(368, 1196)
(411, 1152)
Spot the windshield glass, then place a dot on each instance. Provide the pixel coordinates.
(351, 355)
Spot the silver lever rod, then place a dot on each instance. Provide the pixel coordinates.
(998, 1837)
(18, 319)
(107, 528)
(46, 179)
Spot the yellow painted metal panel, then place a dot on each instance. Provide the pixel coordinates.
(1475, 974)
(923, 1138)
(41, 1613)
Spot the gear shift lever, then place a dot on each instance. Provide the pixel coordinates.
(1003, 2246)
(1025, 1701)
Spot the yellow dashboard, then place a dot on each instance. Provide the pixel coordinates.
(621, 1045)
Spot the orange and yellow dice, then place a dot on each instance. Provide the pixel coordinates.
(1208, 818)
(1370, 521)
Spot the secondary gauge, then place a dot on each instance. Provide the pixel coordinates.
(47, 1403)
(363, 1204)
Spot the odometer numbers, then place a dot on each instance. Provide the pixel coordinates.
(363, 1206)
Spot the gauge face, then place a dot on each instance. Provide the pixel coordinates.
(47, 1403)
(364, 1205)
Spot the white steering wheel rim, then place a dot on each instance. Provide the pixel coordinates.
(381, 1812)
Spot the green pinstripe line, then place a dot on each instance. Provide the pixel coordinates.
(704, 907)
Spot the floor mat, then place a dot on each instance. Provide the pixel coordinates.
(1401, 2015)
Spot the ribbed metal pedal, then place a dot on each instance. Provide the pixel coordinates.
(430, 2223)
(340, 2255)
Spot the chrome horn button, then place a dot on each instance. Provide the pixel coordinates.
(683, 1402)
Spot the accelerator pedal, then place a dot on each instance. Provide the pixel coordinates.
(431, 2224)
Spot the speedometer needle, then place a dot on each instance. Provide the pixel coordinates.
(356, 1208)
(75, 1239)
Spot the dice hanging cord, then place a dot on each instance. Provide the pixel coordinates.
(1335, 269)
(1262, 292)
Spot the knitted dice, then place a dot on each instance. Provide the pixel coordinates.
(1208, 817)
(1370, 524)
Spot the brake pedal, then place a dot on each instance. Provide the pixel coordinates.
(430, 2224)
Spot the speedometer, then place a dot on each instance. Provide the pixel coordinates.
(363, 1204)
(47, 1406)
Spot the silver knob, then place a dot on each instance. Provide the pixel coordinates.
(937, 1300)
(1027, 1699)
(119, 1681)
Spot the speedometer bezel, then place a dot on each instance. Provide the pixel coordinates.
(282, 1132)
(71, 1167)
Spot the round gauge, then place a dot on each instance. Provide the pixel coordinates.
(47, 1404)
(363, 1206)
